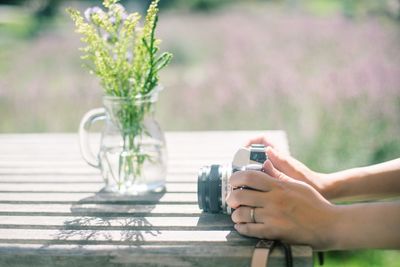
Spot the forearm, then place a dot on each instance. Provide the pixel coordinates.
(371, 225)
(367, 182)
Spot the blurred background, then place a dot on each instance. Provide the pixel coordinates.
(325, 71)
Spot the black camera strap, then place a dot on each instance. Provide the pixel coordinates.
(264, 248)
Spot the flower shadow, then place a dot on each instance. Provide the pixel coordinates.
(109, 218)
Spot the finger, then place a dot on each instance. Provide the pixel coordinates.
(253, 179)
(277, 158)
(245, 197)
(259, 230)
(243, 215)
(269, 169)
(283, 162)
(261, 139)
(255, 140)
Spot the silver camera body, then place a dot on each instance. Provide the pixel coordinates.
(213, 180)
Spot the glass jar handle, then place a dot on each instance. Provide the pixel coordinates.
(84, 128)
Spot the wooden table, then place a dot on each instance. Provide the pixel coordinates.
(51, 213)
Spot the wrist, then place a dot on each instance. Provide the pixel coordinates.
(359, 226)
(338, 233)
(322, 182)
(342, 184)
(330, 185)
(328, 232)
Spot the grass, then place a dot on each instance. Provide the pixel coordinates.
(365, 258)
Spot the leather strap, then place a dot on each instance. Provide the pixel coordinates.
(264, 248)
(261, 253)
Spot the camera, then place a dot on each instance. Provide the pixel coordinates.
(213, 180)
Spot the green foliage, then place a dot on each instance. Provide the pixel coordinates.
(123, 55)
(365, 258)
(145, 64)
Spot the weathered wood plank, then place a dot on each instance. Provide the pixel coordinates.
(212, 250)
(37, 163)
(153, 198)
(217, 149)
(181, 143)
(40, 163)
(120, 236)
(75, 157)
(145, 255)
(50, 171)
(201, 222)
(51, 178)
(79, 171)
(84, 178)
(79, 187)
(224, 250)
(58, 139)
(85, 187)
(103, 209)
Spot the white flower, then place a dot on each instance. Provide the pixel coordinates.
(91, 11)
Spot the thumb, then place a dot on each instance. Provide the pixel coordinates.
(269, 169)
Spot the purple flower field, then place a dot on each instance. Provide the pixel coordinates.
(332, 83)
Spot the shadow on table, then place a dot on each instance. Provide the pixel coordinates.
(111, 218)
(222, 222)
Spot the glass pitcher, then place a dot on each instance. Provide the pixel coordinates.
(132, 155)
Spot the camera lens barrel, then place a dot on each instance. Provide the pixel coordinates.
(209, 188)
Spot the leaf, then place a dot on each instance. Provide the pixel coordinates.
(163, 60)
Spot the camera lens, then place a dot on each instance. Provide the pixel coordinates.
(209, 188)
(213, 181)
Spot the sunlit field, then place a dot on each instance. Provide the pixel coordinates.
(330, 80)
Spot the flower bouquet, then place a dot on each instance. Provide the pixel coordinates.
(125, 56)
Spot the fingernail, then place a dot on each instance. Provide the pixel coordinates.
(236, 226)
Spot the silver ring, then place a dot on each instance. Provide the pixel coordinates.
(253, 220)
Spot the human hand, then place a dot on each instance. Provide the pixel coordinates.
(285, 208)
(290, 166)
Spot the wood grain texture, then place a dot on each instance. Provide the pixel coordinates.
(71, 197)
(43, 254)
(52, 213)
